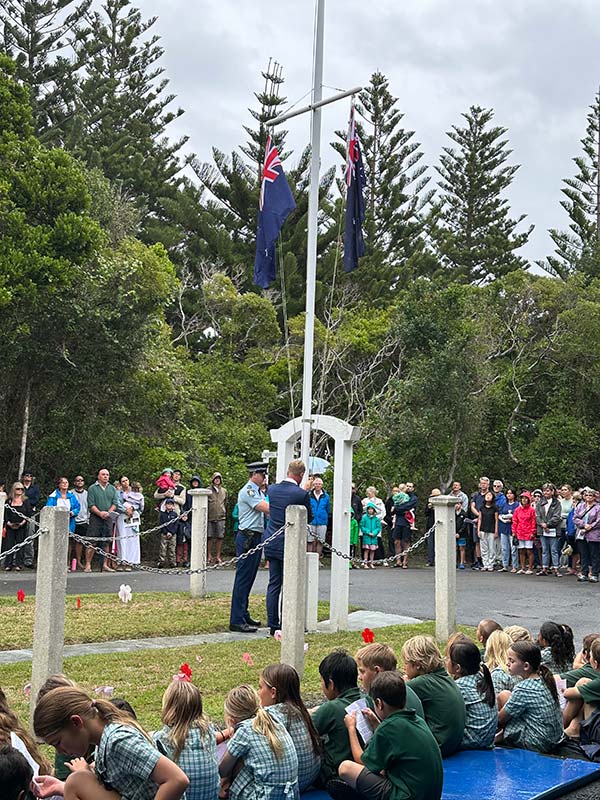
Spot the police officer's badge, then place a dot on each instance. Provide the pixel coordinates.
(251, 492)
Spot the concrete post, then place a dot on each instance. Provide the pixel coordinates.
(50, 591)
(340, 573)
(199, 540)
(445, 565)
(294, 586)
(312, 591)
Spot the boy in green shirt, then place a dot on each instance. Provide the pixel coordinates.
(402, 746)
(375, 658)
(339, 676)
(443, 704)
(583, 698)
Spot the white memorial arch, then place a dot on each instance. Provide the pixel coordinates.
(345, 436)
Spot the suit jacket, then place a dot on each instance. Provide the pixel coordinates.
(280, 496)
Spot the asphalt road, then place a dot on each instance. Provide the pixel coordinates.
(510, 599)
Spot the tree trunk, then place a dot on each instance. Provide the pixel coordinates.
(25, 430)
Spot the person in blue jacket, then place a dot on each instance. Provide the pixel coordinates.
(280, 496)
(61, 497)
(321, 510)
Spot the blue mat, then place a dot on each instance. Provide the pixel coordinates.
(504, 774)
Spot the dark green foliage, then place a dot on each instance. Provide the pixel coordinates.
(578, 249)
(35, 34)
(474, 237)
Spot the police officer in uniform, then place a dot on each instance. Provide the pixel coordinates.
(251, 508)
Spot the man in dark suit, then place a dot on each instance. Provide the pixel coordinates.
(280, 496)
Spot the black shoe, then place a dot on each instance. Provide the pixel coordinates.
(256, 623)
(243, 628)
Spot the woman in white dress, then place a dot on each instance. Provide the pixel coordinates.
(128, 522)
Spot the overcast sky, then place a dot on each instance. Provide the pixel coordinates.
(536, 62)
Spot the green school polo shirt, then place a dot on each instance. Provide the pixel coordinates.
(329, 722)
(412, 702)
(444, 708)
(573, 675)
(590, 692)
(405, 748)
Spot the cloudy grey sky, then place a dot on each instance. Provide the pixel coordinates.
(536, 62)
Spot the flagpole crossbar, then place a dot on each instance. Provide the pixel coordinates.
(334, 98)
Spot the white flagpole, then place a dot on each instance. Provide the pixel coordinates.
(311, 256)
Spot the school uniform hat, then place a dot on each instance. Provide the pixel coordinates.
(169, 500)
(257, 466)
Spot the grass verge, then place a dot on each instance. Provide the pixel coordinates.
(103, 617)
(142, 676)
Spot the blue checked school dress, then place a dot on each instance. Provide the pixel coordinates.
(125, 759)
(198, 760)
(263, 776)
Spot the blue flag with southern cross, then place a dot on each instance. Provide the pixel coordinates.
(276, 203)
(354, 243)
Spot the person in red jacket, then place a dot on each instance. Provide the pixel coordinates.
(524, 528)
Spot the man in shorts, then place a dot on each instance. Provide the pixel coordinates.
(217, 514)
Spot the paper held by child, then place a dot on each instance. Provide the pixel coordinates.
(362, 726)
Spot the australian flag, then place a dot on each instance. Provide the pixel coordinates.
(275, 205)
(354, 244)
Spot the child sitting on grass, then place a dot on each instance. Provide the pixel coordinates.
(583, 698)
(402, 759)
(260, 761)
(557, 647)
(581, 663)
(484, 629)
(339, 675)
(530, 715)
(188, 739)
(496, 655)
(15, 774)
(375, 658)
(474, 682)
(443, 704)
(279, 692)
(126, 761)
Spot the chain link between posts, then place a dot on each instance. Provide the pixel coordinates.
(20, 545)
(355, 561)
(87, 542)
(176, 570)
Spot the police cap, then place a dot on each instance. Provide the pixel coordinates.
(257, 466)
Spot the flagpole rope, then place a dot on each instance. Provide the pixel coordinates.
(332, 292)
(286, 328)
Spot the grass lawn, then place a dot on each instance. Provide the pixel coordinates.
(141, 677)
(103, 617)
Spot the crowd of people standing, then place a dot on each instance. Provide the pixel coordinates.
(552, 530)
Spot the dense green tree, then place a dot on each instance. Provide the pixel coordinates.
(35, 34)
(122, 112)
(578, 249)
(473, 235)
